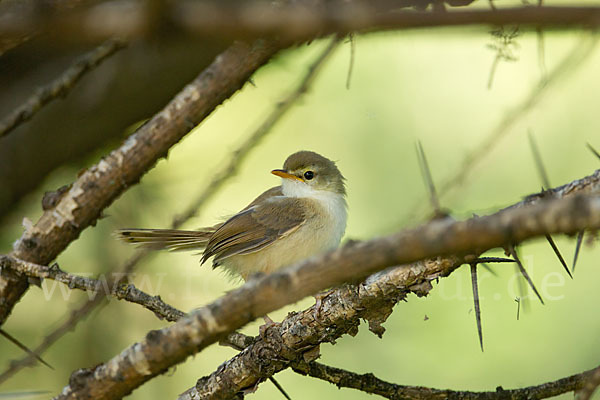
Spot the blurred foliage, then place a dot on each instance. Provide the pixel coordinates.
(407, 86)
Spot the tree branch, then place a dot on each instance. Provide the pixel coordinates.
(166, 347)
(219, 178)
(106, 287)
(293, 21)
(371, 384)
(590, 385)
(242, 370)
(60, 86)
(98, 186)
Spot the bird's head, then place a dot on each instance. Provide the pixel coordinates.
(307, 170)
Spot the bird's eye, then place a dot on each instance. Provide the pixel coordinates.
(308, 175)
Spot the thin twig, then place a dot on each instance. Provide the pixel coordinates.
(59, 87)
(106, 287)
(369, 383)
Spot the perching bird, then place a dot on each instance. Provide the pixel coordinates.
(303, 217)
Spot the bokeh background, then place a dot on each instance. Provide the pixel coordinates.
(421, 85)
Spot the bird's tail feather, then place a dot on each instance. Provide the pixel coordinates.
(167, 239)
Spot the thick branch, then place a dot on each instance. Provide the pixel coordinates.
(296, 21)
(370, 384)
(98, 186)
(297, 338)
(169, 346)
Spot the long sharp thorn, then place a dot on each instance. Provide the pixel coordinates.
(538, 162)
(493, 260)
(24, 348)
(278, 386)
(557, 252)
(514, 255)
(351, 64)
(435, 203)
(577, 247)
(589, 146)
(476, 303)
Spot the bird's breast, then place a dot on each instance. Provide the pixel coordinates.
(322, 231)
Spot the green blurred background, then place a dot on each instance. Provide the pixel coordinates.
(407, 86)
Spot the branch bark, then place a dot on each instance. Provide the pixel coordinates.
(370, 384)
(169, 346)
(101, 287)
(98, 186)
(294, 21)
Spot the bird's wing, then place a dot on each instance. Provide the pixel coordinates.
(256, 227)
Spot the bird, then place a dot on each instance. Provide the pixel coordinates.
(304, 216)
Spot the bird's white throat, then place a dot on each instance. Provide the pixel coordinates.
(333, 203)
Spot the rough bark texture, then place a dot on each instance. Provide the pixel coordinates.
(166, 347)
(296, 339)
(100, 184)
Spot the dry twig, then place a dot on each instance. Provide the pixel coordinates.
(370, 384)
(60, 86)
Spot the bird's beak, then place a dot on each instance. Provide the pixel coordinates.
(284, 174)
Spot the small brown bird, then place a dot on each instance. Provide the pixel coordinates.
(303, 217)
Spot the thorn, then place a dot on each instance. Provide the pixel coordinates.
(433, 198)
(538, 161)
(278, 386)
(481, 260)
(351, 64)
(24, 348)
(518, 300)
(577, 247)
(476, 301)
(589, 146)
(513, 253)
(557, 252)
